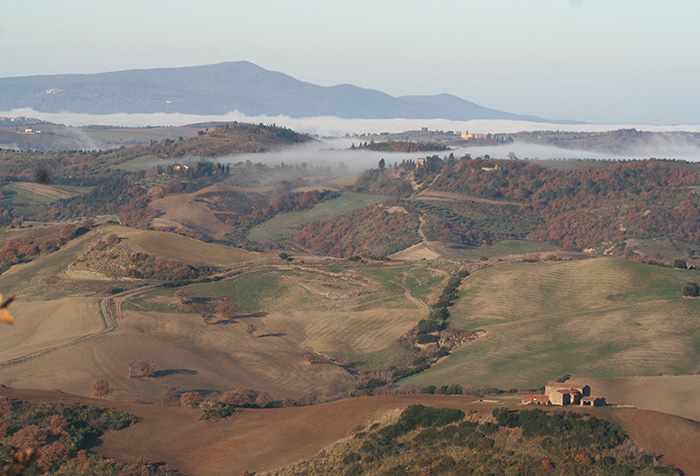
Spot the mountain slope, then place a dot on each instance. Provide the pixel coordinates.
(222, 88)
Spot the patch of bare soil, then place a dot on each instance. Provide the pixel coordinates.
(416, 252)
(264, 440)
(676, 440)
(673, 394)
(250, 440)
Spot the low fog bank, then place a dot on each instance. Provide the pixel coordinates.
(331, 126)
(330, 152)
(334, 152)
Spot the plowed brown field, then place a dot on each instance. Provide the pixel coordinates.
(263, 440)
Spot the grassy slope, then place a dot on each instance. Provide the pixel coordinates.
(180, 248)
(363, 313)
(358, 313)
(498, 249)
(42, 279)
(28, 193)
(285, 224)
(600, 317)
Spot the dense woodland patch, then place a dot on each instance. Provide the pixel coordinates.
(60, 437)
(441, 441)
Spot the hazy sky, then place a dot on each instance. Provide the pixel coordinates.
(614, 61)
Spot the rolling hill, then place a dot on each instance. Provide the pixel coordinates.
(269, 439)
(226, 87)
(79, 316)
(597, 317)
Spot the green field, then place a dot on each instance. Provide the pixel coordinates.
(285, 224)
(283, 290)
(598, 317)
(496, 250)
(140, 163)
(425, 283)
(355, 316)
(25, 193)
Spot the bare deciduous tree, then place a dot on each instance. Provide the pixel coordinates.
(101, 388)
(144, 368)
(251, 330)
(263, 399)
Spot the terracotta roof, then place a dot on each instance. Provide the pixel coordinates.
(535, 399)
(570, 391)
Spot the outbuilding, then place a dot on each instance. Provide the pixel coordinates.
(535, 400)
(593, 401)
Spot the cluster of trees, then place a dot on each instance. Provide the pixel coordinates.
(35, 243)
(575, 208)
(574, 429)
(227, 139)
(219, 310)
(399, 146)
(116, 195)
(446, 231)
(247, 398)
(200, 169)
(428, 329)
(383, 182)
(583, 208)
(440, 441)
(111, 257)
(55, 438)
(372, 230)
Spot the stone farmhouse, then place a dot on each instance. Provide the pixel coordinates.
(556, 393)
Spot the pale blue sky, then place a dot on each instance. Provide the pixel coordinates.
(622, 61)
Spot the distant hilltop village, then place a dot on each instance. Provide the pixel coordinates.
(556, 393)
(20, 121)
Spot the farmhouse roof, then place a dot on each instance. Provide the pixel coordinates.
(570, 391)
(535, 399)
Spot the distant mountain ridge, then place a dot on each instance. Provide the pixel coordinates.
(226, 87)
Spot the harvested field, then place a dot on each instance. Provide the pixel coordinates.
(252, 440)
(264, 440)
(187, 353)
(43, 324)
(604, 317)
(344, 332)
(672, 438)
(673, 394)
(339, 314)
(204, 211)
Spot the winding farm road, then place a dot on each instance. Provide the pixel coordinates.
(110, 309)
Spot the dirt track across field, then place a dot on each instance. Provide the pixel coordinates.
(263, 440)
(458, 197)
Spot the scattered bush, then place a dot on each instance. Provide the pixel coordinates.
(691, 289)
